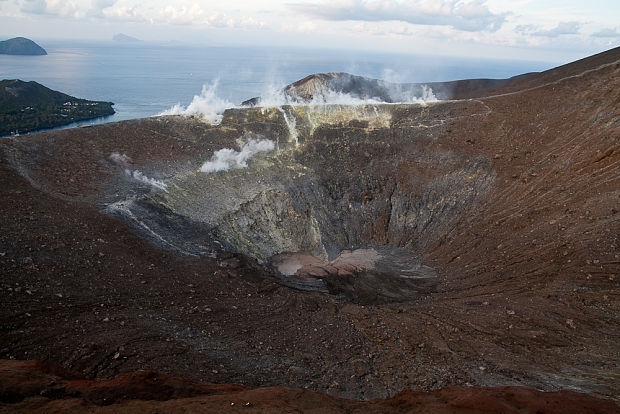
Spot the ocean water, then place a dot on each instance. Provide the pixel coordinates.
(145, 79)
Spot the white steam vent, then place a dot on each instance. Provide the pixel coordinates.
(120, 159)
(139, 176)
(228, 158)
(123, 160)
(207, 106)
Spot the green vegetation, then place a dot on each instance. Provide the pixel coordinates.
(29, 106)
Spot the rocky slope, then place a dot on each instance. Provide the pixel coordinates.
(490, 226)
(20, 46)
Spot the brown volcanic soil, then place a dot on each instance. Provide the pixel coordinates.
(475, 88)
(528, 283)
(33, 386)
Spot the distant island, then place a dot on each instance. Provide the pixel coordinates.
(21, 46)
(30, 106)
(121, 37)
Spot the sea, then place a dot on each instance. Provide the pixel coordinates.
(144, 79)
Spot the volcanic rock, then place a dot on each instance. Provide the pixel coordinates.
(36, 387)
(507, 204)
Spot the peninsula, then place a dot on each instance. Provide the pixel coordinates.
(30, 106)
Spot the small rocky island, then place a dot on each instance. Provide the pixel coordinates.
(123, 38)
(21, 46)
(30, 106)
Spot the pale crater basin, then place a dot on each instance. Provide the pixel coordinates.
(394, 273)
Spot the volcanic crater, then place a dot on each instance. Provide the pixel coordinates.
(339, 178)
(355, 250)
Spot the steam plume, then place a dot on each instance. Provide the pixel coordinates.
(227, 158)
(207, 106)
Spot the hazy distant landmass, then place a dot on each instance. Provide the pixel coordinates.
(29, 106)
(121, 37)
(20, 46)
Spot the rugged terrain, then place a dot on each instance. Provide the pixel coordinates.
(30, 106)
(117, 254)
(30, 386)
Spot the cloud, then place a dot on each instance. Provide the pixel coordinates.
(51, 7)
(97, 6)
(563, 28)
(182, 15)
(307, 27)
(526, 28)
(193, 15)
(608, 33)
(471, 15)
(123, 13)
(34, 6)
(249, 23)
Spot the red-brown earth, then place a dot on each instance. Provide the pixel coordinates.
(34, 386)
(527, 276)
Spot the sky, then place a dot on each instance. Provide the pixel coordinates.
(545, 30)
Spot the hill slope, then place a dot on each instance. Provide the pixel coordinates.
(324, 87)
(28, 106)
(21, 46)
(317, 87)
